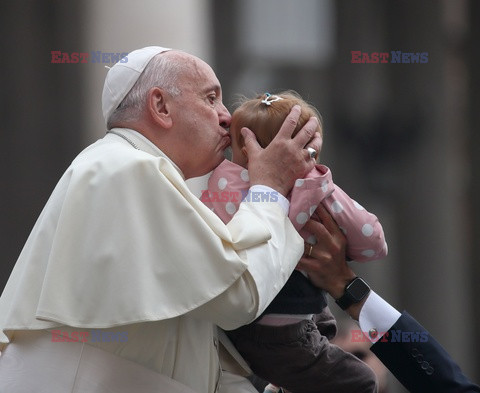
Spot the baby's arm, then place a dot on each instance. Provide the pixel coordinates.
(227, 186)
(364, 233)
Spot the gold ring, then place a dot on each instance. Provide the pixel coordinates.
(310, 250)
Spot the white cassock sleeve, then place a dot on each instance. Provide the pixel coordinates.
(268, 266)
(228, 309)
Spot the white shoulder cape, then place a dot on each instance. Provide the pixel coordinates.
(122, 240)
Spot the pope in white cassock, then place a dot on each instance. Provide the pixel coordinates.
(123, 249)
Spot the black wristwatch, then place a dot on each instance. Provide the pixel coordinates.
(355, 292)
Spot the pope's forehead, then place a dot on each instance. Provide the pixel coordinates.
(193, 65)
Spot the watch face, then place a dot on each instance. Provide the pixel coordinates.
(358, 289)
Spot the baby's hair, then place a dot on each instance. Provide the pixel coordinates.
(265, 120)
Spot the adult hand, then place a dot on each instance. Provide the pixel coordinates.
(285, 159)
(325, 261)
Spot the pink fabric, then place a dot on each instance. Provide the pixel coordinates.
(229, 184)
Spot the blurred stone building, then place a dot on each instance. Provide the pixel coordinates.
(401, 138)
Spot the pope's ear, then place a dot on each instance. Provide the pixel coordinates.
(159, 107)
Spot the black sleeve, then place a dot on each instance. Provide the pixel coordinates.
(418, 361)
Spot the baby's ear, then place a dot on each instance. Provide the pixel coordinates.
(244, 151)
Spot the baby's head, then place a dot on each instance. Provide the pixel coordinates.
(264, 115)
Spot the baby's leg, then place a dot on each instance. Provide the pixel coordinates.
(301, 360)
(326, 323)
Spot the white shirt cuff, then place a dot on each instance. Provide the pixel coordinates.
(377, 317)
(270, 194)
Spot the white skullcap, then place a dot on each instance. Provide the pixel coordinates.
(123, 75)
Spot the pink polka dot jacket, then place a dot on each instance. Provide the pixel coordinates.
(229, 185)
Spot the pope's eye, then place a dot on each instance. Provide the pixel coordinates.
(212, 98)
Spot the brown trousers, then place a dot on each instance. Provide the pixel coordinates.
(301, 359)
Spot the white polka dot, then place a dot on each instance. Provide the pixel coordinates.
(230, 208)
(222, 183)
(299, 182)
(367, 230)
(358, 206)
(337, 207)
(244, 175)
(324, 186)
(312, 209)
(312, 239)
(368, 253)
(343, 230)
(302, 218)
